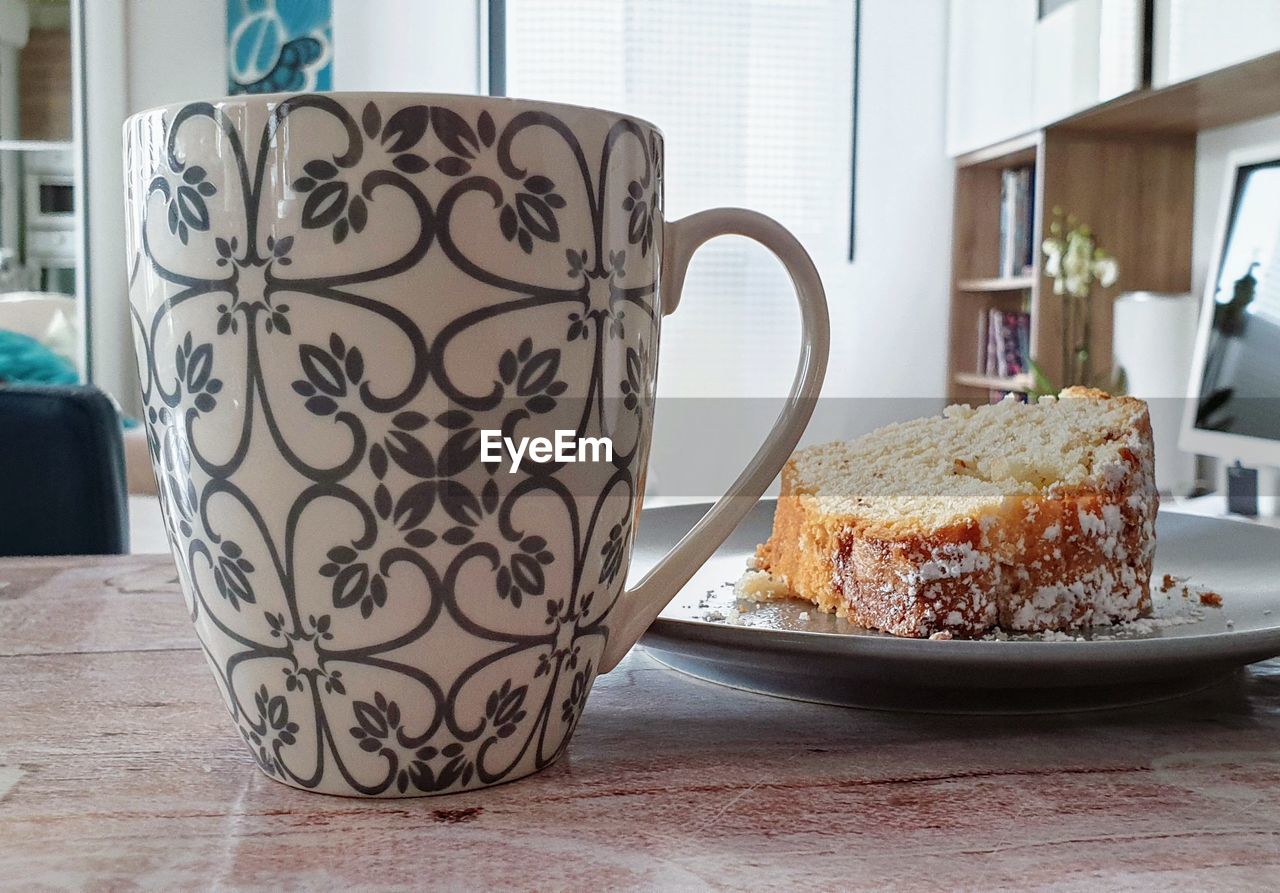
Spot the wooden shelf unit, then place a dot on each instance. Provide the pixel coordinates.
(976, 288)
(1136, 192)
(1126, 168)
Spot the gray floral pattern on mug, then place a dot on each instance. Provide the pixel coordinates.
(316, 434)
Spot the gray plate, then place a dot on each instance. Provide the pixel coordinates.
(773, 649)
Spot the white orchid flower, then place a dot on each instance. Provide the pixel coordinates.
(1052, 249)
(1079, 253)
(1075, 267)
(1073, 260)
(1105, 270)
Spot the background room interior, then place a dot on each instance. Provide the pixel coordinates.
(248, 354)
(879, 142)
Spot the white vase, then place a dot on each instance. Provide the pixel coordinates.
(1152, 341)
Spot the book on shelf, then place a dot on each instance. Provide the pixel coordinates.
(1017, 221)
(1004, 346)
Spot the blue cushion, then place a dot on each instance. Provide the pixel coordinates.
(24, 360)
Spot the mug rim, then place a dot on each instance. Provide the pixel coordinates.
(269, 100)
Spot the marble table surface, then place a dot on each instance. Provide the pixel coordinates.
(120, 770)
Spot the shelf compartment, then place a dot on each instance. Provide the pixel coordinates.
(996, 284)
(36, 145)
(1018, 383)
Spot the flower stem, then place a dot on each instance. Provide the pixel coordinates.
(1068, 337)
(1086, 352)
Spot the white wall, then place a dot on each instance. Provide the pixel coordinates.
(423, 45)
(889, 311)
(176, 50)
(14, 22)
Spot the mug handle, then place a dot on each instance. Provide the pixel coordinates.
(638, 607)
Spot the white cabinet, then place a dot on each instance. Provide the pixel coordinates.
(1011, 71)
(1086, 52)
(1193, 37)
(989, 72)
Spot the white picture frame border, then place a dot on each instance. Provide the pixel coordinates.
(1243, 448)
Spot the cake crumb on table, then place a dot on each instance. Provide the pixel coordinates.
(1212, 599)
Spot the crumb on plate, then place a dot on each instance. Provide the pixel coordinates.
(758, 586)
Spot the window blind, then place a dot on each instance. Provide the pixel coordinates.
(755, 100)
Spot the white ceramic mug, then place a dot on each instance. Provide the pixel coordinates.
(333, 297)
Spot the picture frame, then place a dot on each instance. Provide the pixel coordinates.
(276, 46)
(1221, 324)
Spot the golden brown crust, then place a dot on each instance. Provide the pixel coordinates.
(1066, 559)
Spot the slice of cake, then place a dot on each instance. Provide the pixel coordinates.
(1029, 517)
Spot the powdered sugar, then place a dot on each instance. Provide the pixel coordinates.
(1166, 612)
(759, 600)
(948, 561)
